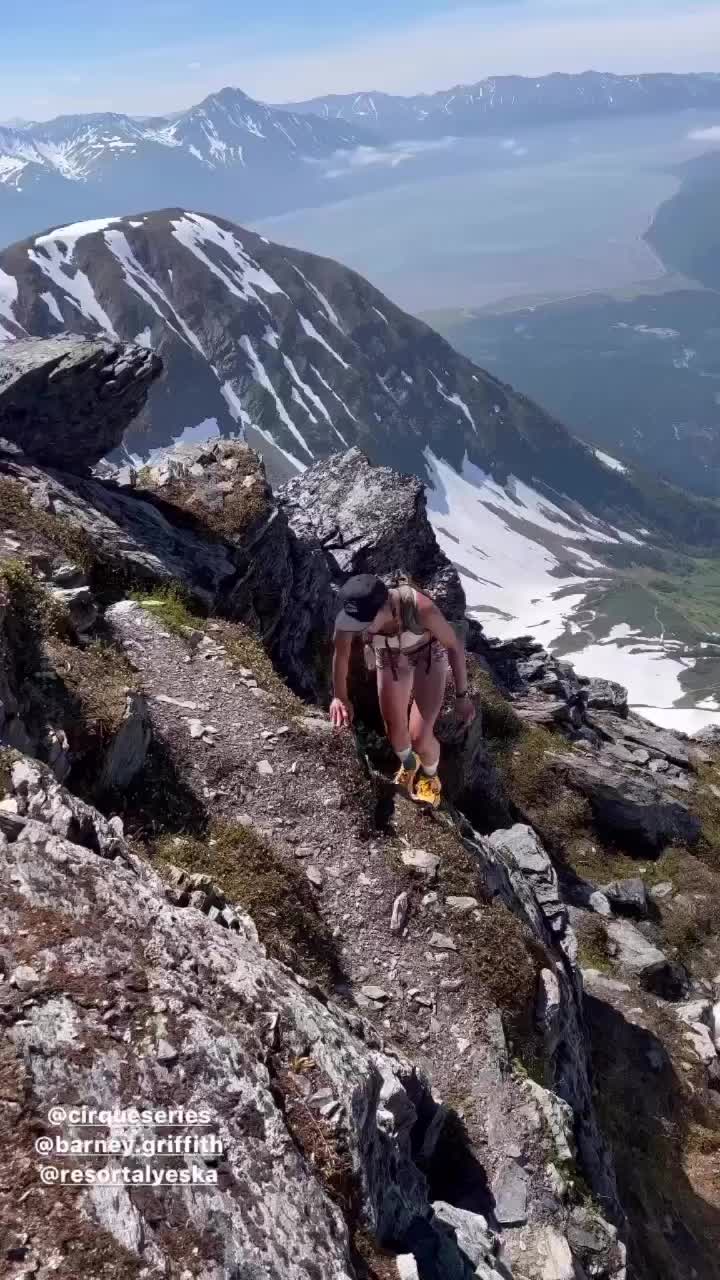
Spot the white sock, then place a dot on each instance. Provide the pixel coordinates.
(407, 758)
(430, 770)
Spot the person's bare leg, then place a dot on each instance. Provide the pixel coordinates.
(428, 697)
(394, 696)
(429, 692)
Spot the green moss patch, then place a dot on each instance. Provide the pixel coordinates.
(173, 606)
(559, 814)
(30, 614)
(273, 891)
(503, 959)
(501, 724)
(593, 949)
(705, 804)
(48, 531)
(245, 649)
(91, 687)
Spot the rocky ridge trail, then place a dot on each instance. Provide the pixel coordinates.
(249, 763)
(477, 1043)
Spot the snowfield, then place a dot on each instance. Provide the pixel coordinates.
(515, 552)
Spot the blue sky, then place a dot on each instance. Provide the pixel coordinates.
(155, 55)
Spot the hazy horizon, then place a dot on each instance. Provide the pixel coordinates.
(17, 120)
(60, 60)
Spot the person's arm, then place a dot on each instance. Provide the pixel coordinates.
(437, 624)
(341, 712)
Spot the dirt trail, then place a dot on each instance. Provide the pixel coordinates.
(318, 809)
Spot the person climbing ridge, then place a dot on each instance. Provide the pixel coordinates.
(411, 645)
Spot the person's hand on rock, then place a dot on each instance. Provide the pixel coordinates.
(341, 714)
(465, 709)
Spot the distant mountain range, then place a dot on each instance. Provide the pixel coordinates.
(505, 102)
(228, 153)
(305, 358)
(243, 159)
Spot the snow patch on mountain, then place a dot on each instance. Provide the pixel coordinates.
(196, 233)
(260, 375)
(312, 332)
(514, 551)
(77, 231)
(54, 258)
(329, 311)
(651, 673)
(511, 576)
(52, 306)
(454, 399)
(608, 461)
(8, 298)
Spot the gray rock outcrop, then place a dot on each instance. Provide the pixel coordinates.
(625, 804)
(628, 897)
(128, 748)
(227, 1039)
(605, 695)
(280, 584)
(67, 401)
(517, 869)
(247, 567)
(372, 520)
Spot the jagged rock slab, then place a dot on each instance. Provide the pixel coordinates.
(516, 868)
(251, 578)
(605, 695)
(510, 1190)
(628, 897)
(128, 748)
(635, 730)
(533, 877)
(470, 1230)
(129, 532)
(633, 950)
(627, 804)
(117, 996)
(372, 520)
(67, 401)
(638, 955)
(281, 584)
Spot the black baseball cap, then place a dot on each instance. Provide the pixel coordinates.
(360, 599)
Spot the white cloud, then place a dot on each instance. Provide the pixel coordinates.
(706, 135)
(344, 162)
(513, 146)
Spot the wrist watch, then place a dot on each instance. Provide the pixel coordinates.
(459, 697)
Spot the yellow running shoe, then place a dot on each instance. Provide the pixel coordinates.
(404, 778)
(428, 790)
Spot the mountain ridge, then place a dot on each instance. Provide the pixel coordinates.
(302, 357)
(229, 152)
(506, 101)
(245, 159)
